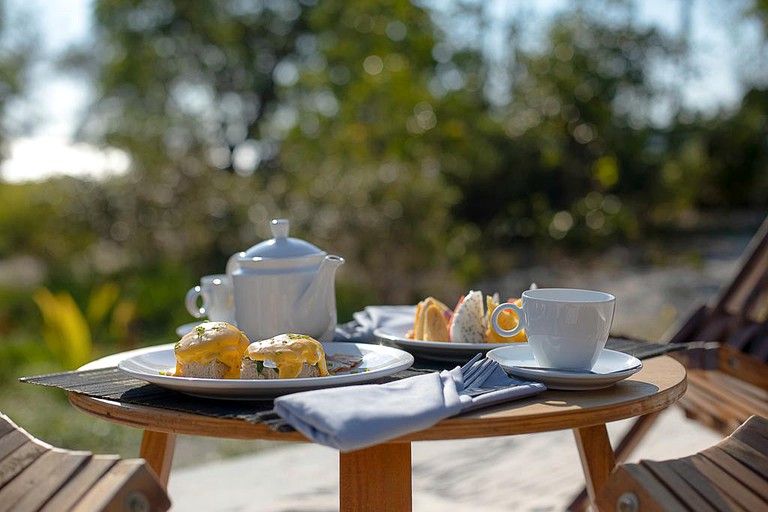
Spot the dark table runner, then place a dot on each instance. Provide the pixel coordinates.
(112, 384)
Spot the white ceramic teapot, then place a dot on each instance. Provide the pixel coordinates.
(284, 285)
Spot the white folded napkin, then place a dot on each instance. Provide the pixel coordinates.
(355, 417)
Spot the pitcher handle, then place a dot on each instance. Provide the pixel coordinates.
(495, 319)
(191, 302)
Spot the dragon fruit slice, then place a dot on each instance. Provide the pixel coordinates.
(468, 324)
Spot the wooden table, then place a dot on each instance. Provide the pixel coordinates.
(379, 478)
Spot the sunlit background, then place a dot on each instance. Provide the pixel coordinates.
(436, 145)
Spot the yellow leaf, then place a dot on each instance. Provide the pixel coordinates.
(101, 301)
(65, 329)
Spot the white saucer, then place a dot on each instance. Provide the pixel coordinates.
(610, 368)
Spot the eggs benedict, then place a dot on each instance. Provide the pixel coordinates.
(211, 350)
(285, 356)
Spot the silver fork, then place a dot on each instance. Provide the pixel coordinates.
(476, 374)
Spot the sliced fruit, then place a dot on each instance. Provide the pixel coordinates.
(468, 325)
(508, 320)
(435, 325)
(419, 323)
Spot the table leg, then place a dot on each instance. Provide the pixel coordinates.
(597, 459)
(157, 449)
(376, 478)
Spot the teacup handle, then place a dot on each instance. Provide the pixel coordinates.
(191, 302)
(495, 319)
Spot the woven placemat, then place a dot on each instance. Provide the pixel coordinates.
(112, 384)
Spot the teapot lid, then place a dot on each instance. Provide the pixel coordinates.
(282, 246)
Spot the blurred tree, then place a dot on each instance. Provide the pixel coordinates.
(336, 115)
(575, 158)
(18, 47)
(184, 88)
(375, 122)
(372, 130)
(718, 161)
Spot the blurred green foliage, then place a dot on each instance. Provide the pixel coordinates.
(369, 125)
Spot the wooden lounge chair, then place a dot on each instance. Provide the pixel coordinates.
(732, 475)
(726, 356)
(37, 476)
(727, 360)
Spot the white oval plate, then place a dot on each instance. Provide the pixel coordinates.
(378, 361)
(610, 368)
(455, 352)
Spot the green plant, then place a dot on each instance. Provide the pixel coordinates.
(65, 329)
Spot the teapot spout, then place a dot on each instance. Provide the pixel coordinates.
(320, 295)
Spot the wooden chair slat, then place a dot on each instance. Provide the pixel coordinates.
(759, 346)
(6, 427)
(127, 481)
(678, 485)
(743, 335)
(755, 425)
(753, 293)
(12, 442)
(731, 475)
(79, 485)
(651, 494)
(720, 391)
(700, 407)
(727, 485)
(754, 440)
(755, 257)
(36, 476)
(748, 456)
(715, 329)
(17, 461)
(684, 329)
(41, 480)
(703, 487)
(742, 473)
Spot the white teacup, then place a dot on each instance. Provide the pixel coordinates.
(217, 297)
(566, 328)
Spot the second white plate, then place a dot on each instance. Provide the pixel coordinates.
(610, 368)
(454, 351)
(378, 361)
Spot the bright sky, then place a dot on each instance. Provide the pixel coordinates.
(59, 100)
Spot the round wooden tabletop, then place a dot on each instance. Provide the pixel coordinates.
(660, 383)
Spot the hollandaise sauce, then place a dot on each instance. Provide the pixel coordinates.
(289, 352)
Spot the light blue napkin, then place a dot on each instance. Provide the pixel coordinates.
(355, 417)
(391, 318)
